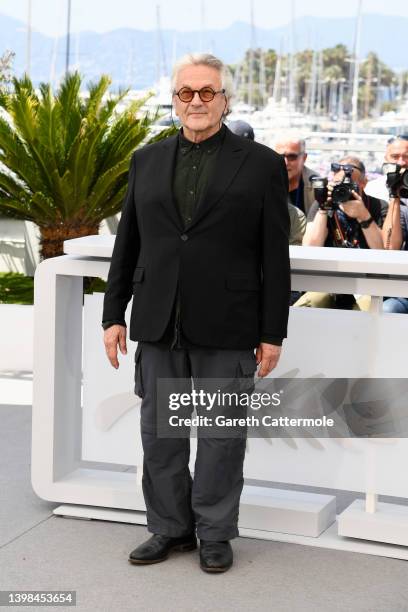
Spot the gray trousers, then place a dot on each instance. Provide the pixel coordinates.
(175, 503)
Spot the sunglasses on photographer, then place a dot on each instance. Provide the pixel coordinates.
(335, 167)
(291, 156)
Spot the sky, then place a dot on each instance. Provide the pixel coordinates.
(49, 16)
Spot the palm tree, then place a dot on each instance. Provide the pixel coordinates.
(64, 158)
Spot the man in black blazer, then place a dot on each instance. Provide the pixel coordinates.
(202, 245)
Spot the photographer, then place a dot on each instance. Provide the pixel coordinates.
(395, 223)
(297, 172)
(395, 228)
(293, 149)
(395, 153)
(341, 217)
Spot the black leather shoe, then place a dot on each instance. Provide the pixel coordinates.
(157, 548)
(215, 556)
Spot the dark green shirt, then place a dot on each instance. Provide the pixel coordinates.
(194, 165)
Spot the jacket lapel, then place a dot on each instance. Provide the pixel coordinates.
(229, 160)
(165, 166)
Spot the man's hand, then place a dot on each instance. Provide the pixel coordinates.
(356, 208)
(268, 356)
(114, 336)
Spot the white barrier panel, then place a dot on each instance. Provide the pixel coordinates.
(16, 333)
(320, 342)
(111, 410)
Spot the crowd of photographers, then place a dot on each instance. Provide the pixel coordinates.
(347, 211)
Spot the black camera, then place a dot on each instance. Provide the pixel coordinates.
(397, 180)
(319, 184)
(341, 192)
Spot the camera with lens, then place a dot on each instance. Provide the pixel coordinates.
(341, 192)
(397, 180)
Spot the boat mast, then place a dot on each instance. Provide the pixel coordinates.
(53, 60)
(340, 100)
(161, 66)
(77, 43)
(174, 49)
(251, 57)
(312, 102)
(319, 80)
(237, 80)
(356, 71)
(367, 92)
(262, 77)
(277, 79)
(68, 37)
(202, 25)
(292, 84)
(379, 91)
(28, 65)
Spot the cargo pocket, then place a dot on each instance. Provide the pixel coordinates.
(246, 371)
(138, 372)
(247, 366)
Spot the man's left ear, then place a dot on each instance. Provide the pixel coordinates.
(227, 109)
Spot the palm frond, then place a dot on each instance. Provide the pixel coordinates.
(68, 103)
(67, 156)
(104, 185)
(11, 186)
(165, 133)
(96, 94)
(50, 129)
(15, 156)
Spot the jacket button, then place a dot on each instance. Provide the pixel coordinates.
(184, 237)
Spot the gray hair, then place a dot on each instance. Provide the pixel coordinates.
(205, 59)
(355, 161)
(291, 137)
(398, 137)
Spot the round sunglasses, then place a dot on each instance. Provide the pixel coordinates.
(206, 94)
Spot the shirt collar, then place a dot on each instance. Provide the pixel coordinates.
(209, 145)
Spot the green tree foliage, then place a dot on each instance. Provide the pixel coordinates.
(16, 288)
(334, 66)
(66, 156)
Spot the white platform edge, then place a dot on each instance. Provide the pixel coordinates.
(312, 259)
(296, 512)
(389, 523)
(101, 514)
(328, 539)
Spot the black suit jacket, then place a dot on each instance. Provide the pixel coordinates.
(231, 263)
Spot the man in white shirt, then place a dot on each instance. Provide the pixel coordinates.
(395, 226)
(395, 153)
